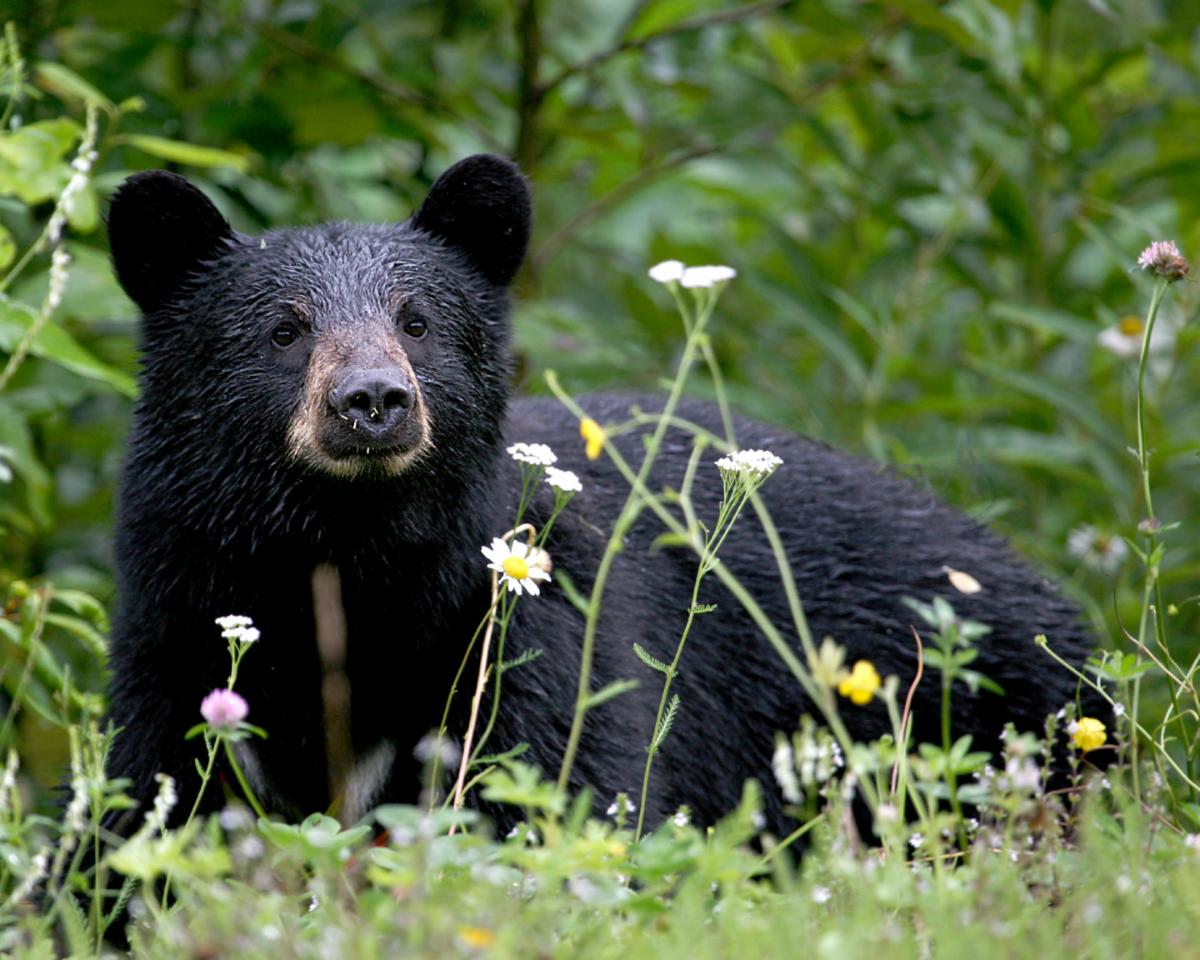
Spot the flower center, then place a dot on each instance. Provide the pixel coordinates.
(1131, 326)
(516, 568)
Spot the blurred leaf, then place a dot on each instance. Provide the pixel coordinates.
(191, 154)
(52, 342)
(66, 84)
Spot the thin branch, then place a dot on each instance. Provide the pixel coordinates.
(640, 43)
(616, 196)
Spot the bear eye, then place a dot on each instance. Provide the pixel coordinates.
(415, 327)
(285, 335)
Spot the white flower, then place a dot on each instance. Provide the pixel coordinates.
(752, 464)
(1163, 258)
(821, 894)
(521, 567)
(537, 454)
(695, 277)
(238, 628)
(916, 840)
(783, 765)
(563, 480)
(59, 261)
(683, 816)
(622, 806)
(669, 271)
(1124, 338)
(1101, 551)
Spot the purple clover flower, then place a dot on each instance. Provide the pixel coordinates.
(224, 709)
(1163, 258)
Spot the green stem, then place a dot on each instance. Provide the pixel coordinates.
(625, 520)
(241, 779)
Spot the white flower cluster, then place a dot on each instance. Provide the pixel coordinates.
(751, 464)
(674, 271)
(535, 454)
(82, 167)
(238, 628)
(563, 480)
(783, 765)
(59, 261)
(164, 803)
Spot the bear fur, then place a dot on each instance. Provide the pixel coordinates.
(271, 366)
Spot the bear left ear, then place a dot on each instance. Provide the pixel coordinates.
(161, 229)
(481, 205)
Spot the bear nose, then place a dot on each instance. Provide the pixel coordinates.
(375, 396)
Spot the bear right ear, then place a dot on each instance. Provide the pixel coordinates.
(481, 205)
(160, 229)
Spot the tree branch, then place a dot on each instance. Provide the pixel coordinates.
(588, 64)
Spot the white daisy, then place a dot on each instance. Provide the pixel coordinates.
(1103, 552)
(669, 271)
(519, 565)
(706, 276)
(563, 480)
(537, 454)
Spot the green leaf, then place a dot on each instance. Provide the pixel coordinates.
(189, 153)
(66, 84)
(8, 246)
(608, 692)
(52, 342)
(652, 661)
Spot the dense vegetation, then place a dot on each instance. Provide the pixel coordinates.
(935, 211)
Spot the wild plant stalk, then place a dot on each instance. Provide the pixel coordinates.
(630, 511)
(821, 696)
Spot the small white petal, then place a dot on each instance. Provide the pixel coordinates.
(669, 271)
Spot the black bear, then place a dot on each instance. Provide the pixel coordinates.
(338, 395)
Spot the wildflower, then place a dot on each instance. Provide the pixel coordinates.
(59, 261)
(1163, 259)
(164, 802)
(826, 666)
(1118, 710)
(535, 454)
(783, 765)
(224, 709)
(821, 894)
(593, 433)
(1124, 338)
(621, 807)
(704, 277)
(861, 684)
(683, 816)
(669, 271)
(563, 480)
(238, 628)
(477, 937)
(1023, 774)
(1088, 733)
(1102, 552)
(916, 841)
(520, 565)
(750, 464)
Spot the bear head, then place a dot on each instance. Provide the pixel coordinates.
(340, 350)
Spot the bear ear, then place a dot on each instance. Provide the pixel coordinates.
(481, 206)
(160, 229)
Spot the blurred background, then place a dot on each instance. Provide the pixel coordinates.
(934, 208)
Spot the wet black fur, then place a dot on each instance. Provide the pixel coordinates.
(214, 519)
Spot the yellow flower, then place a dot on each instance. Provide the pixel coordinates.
(478, 937)
(1089, 733)
(593, 433)
(861, 683)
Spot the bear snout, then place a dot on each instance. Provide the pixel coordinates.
(376, 401)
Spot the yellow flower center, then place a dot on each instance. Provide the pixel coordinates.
(516, 568)
(860, 684)
(1089, 734)
(478, 937)
(593, 433)
(1130, 326)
